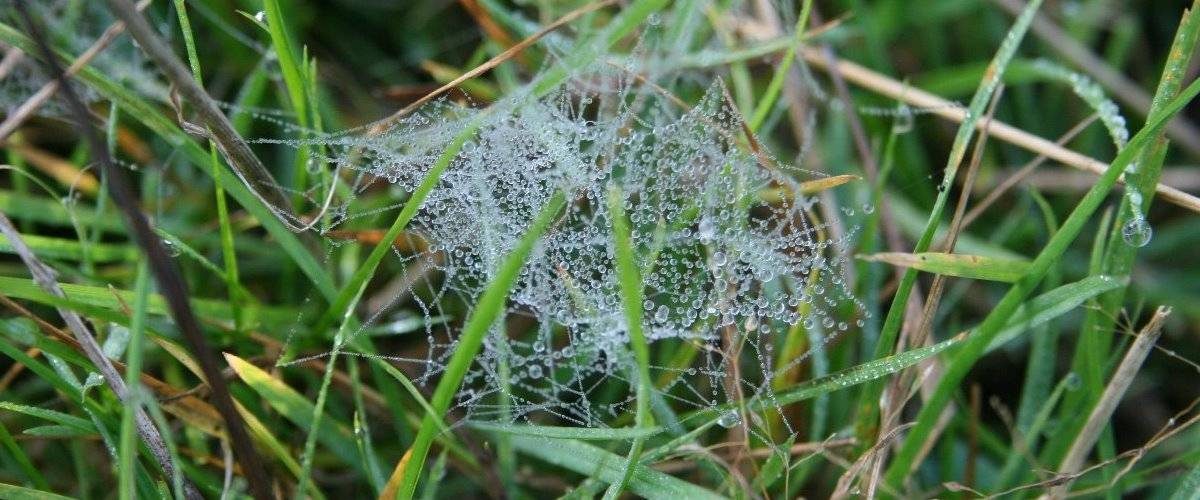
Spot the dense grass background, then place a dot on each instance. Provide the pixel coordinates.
(1017, 409)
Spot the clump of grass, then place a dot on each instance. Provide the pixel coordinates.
(588, 265)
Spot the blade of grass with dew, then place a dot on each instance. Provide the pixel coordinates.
(868, 404)
(1119, 255)
(164, 127)
(577, 433)
(490, 306)
(631, 290)
(49, 415)
(975, 267)
(973, 348)
(133, 371)
(232, 284)
(589, 460)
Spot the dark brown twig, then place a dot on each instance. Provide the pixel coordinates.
(170, 282)
(245, 164)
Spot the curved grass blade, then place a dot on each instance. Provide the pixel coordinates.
(974, 348)
(868, 403)
(490, 306)
(14, 492)
(591, 461)
(297, 409)
(632, 290)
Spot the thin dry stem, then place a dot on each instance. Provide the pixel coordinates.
(1104, 408)
(1000, 130)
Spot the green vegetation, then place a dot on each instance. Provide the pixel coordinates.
(650, 248)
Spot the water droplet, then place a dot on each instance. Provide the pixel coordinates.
(660, 315)
(904, 120)
(535, 371)
(868, 208)
(1137, 232)
(171, 247)
(719, 258)
(729, 419)
(260, 17)
(1073, 381)
(706, 230)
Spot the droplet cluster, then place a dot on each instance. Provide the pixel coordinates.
(727, 269)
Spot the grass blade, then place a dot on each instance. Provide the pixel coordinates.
(952, 264)
(578, 433)
(869, 401)
(632, 290)
(491, 305)
(591, 461)
(1000, 315)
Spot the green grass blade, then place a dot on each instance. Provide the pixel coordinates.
(55, 416)
(490, 306)
(13, 492)
(952, 264)
(297, 409)
(868, 403)
(1189, 488)
(133, 370)
(591, 461)
(994, 322)
(1052, 304)
(578, 433)
(631, 289)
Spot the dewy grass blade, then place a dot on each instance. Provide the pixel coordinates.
(579, 433)
(491, 305)
(868, 403)
(1119, 255)
(1002, 312)
(586, 459)
(632, 290)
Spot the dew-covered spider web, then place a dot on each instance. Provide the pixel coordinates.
(728, 241)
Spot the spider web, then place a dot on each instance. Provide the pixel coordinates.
(730, 249)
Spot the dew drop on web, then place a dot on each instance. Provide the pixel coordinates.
(729, 419)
